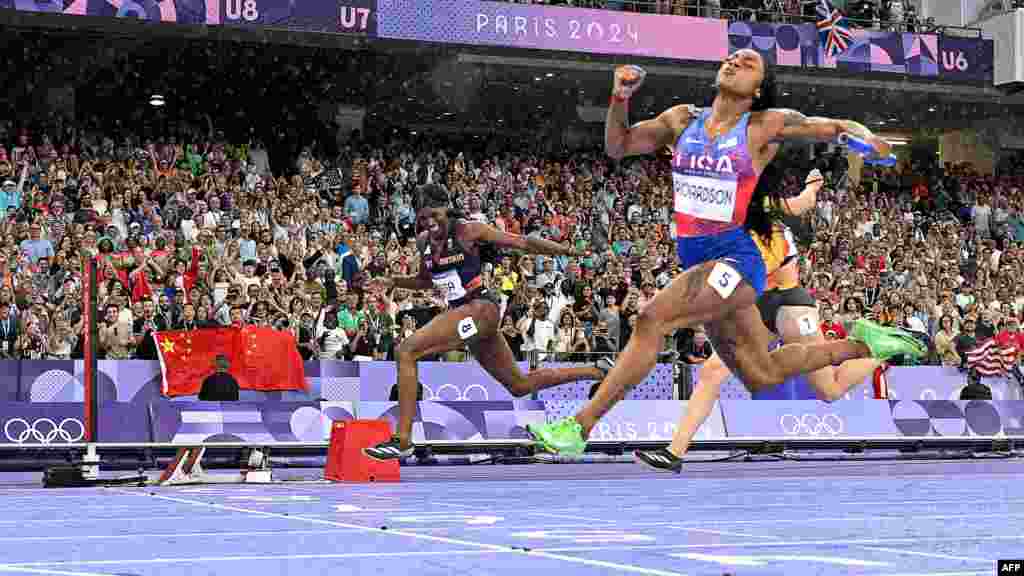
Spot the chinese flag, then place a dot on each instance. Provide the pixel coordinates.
(187, 358)
(269, 361)
(261, 359)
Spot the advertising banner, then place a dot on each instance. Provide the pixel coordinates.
(540, 27)
(258, 422)
(561, 28)
(442, 381)
(450, 381)
(912, 54)
(904, 383)
(631, 420)
(338, 16)
(872, 418)
(501, 420)
(807, 418)
(27, 424)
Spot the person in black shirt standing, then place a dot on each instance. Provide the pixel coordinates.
(143, 330)
(220, 386)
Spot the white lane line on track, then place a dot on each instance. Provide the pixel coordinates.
(247, 534)
(861, 547)
(929, 554)
(569, 517)
(262, 558)
(722, 532)
(825, 502)
(971, 573)
(26, 570)
(787, 544)
(354, 555)
(633, 524)
(453, 505)
(454, 541)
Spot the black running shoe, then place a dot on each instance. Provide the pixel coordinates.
(390, 450)
(661, 460)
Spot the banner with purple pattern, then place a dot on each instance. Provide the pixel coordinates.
(872, 418)
(27, 424)
(904, 383)
(561, 28)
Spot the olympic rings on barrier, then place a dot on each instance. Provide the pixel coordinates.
(431, 395)
(43, 430)
(811, 425)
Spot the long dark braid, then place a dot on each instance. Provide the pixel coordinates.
(766, 204)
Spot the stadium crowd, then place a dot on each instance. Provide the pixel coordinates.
(206, 215)
(198, 231)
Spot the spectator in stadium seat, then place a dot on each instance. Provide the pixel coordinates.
(966, 340)
(8, 333)
(357, 209)
(986, 327)
(143, 329)
(36, 247)
(694, 348)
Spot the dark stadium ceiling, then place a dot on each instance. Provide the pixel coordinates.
(483, 90)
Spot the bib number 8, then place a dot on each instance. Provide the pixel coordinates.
(467, 328)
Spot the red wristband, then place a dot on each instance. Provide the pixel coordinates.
(618, 99)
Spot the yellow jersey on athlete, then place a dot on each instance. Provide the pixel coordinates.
(777, 252)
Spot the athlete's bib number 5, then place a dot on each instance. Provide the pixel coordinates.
(724, 280)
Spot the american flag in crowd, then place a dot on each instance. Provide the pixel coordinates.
(833, 30)
(992, 359)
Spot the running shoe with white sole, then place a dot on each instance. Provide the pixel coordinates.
(387, 451)
(660, 460)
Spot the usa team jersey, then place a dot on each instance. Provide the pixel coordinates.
(456, 272)
(713, 180)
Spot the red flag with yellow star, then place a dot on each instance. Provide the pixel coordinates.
(269, 361)
(188, 357)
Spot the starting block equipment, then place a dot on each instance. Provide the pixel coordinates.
(345, 459)
(187, 468)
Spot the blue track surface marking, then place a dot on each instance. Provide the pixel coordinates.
(753, 519)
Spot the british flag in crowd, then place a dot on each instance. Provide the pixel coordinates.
(833, 30)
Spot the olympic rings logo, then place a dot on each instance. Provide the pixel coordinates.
(430, 394)
(44, 430)
(811, 425)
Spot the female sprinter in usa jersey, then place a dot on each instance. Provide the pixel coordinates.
(786, 309)
(718, 155)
